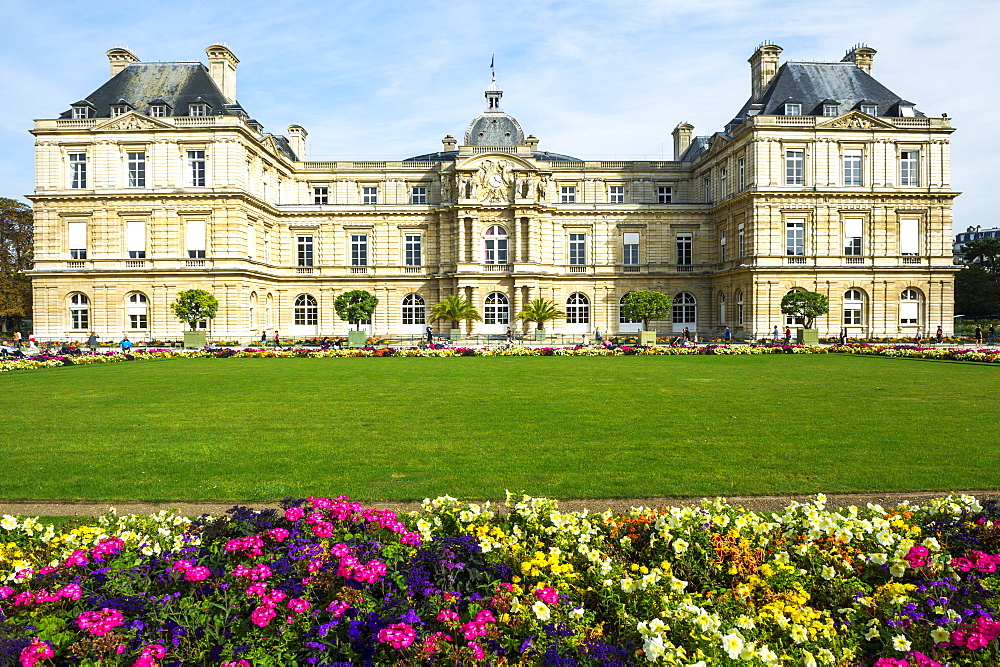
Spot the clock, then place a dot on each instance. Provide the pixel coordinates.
(496, 181)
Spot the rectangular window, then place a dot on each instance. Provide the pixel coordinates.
(795, 237)
(664, 194)
(412, 249)
(304, 247)
(567, 194)
(81, 112)
(722, 246)
(136, 321)
(616, 194)
(78, 170)
(158, 111)
(852, 315)
(267, 247)
(135, 232)
(369, 195)
(630, 248)
(418, 194)
(852, 237)
(741, 244)
(321, 196)
(830, 109)
(359, 250)
(793, 109)
(196, 239)
(78, 240)
(909, 236)
(197, 110)
(708, 189)
(908, 312)
(795, 167)
(870, 109)
(908, 168)
(723, 182)
(852, 167)
(196, 168)
(118, 110)
(742, 173)
(684, 247)
(136, 169)
(577, 249)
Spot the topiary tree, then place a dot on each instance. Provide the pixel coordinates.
(540, 311)
(194, 305)
(456, 309)
(807, 305)
(355, 306)
(646, 305)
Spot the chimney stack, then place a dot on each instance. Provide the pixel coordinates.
(120, 57)
(531, 142)
(297, 140)
(682, 139)
(862, 56)
(448, 143)
(222, 68)
(763, 67)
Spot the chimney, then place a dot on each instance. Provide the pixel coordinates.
(222, 68)
(297, 140)
(120, 57)
(448, 143)
(682, 139)
(763, 67)
(862, 56)
(531, 142)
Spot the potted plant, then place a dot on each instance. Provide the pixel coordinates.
(540, 311)
(808, 306)
(355, 307)
(457, 309)
(193, 306)
(646, 306)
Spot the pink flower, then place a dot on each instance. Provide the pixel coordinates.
(505, 586)
(340, 550)
(547, 595)
(337, 608)
(294, 513)
(479, 654)
(397, 635)
(35, 651)
(236, 663)
(274, 597)
(321, 503)
(278, 534)
(322, 529)
(298, 605)
(240, 571)
(921, 660)
(432, 643)
(917, 556)
(260, 572)
(101, 622)
(258, 588)
(78, 557)
(448, 616)
(411, 539)
(70, 592)
(197, 574)
(107, 547)
(262, 615)
(182, 565)
(890, 662)
(6, 592)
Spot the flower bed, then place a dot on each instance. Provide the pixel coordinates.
(329, 581)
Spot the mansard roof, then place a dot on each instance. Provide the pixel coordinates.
(449, 156)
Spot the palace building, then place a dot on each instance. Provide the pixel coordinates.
(159, 181)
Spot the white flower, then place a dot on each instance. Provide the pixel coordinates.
(826, 656)
(901, 643)
(653, 648)
(732, 644)
(680, 546)
(768, 656)
(577, 613)
(799, 634)
(677, 585)
(885, 538)
(828, 573)
(940, 635)
(932, 544)
(872, 633)
(782, 557)
(879, 559)
(897, 570)
(8, 522)
(808, 660)
(745, 623)
(541, 610)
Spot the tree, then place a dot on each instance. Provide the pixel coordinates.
(194, 305)
(807, 305)
(455, 308)
(540, 311)
(355, 306)
(983, 251)
(646, 305)
(977, 292)
(16, 258)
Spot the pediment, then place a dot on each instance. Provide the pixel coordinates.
(855, 120)
(133, 120)
(510, 162)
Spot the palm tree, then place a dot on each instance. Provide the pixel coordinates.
(540, 311)
(456, 309)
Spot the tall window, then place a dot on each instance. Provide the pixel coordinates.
(321, 196)
(708, 189)
(852, 237)
(795, 167)
(267, 247)
(196, 238)
(77, 240)
(137, 311)
(577, 309)
(369, 195)
(616, 194)
(577, 249)
(684, 248)
(741, 242)
(909, 236)
(685, 310)
(567, 194)
(78, 170)
(305, 312)
(495, 245)
(79, 312)
(664, 194)
(304, 247)
(739, 308)
(630, 248)
(496, 309)
(854, 302)
(795, 237)
(359, 250)
(722, 246)
(137, 169)
(722, 308)
(196, 168)
(909, 307)
(414, 310)
(412, 249)
(418, 194)
(792, 320)
(741, 173)
(622, 319)
(909, 174)
(723, 182)
(852, 167)
(135, 232)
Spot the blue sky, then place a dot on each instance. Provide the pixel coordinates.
(591, 79)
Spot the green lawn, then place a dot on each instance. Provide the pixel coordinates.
(403, 429)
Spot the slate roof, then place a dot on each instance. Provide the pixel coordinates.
(449, 156)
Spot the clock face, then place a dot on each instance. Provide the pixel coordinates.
(495, 180)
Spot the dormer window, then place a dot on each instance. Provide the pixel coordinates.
(793, 109)
(197, 109)
(906, 110)
(870, 109)
(830, 110)
(81, 112)
(118, 110)
(158, 111)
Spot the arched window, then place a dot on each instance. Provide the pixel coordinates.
(854, 307)
(252, 311)
(137, 312)
(414, 311)
(685, 311)
(497, 309)
(739, 308)
(909, 307)
(305, 312)
(791, 320)
(495, 245)
(577, 309)
(269, 311)
(625, 325)
(722, 308)
(79, 312)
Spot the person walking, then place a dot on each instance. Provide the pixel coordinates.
(263, 338)
(939, 334)
(17, 339)
(992, 331)
(92, 341)
(429, 333)
(125, 344)
(510, 336)
(788, 336)
(277, 340)
(979, 335)
(729, 335)
(843, 336)
(687, 334)
(776, 335)
(598, 339)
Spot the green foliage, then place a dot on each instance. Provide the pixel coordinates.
(807, 305)
(977, 292)
(355, 306)
(455, 308)
(540, 311)
(16, 248)
(194, 305)
(646, 305)
(983, 251)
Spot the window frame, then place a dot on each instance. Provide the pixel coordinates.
(852, 167)
(198, 239)
(576, 249)
(197, 110)
(413, 310)
(305, 245)
(369, 195)
(795, 237)
(853, 244)
(795, 166)
(567, 194)
(321, 195)
(135, 168)
(132, 319)
(741, 246)
(616, 194)
(418, 198)
(305, 311)
(793, 109)
(630, 251)
(77, 170)
(684, 244)
(157, 110)
(869, 109)
(828, 108)
(197, 168)
(908, 303)
(578, 309)
(852, 312)
(79, 311)
(909, 168)
(496, 245)
(496, 309)
(413, 249)
(359, 249)
(664, 194)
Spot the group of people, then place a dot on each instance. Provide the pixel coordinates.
(991, 331)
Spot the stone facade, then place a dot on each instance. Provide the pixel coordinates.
(850, 200)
